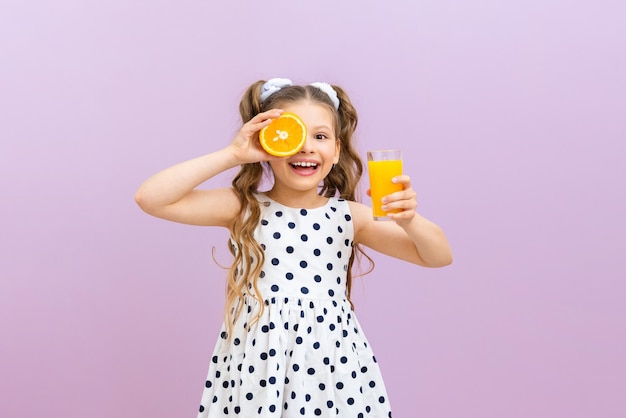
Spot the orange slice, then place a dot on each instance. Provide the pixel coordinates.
(284, 136)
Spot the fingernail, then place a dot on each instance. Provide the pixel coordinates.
(394, 180)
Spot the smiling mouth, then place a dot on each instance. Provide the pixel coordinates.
(304, 165)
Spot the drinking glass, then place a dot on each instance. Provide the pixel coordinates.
(383, 165)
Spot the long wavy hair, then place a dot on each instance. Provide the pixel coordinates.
(342, 181)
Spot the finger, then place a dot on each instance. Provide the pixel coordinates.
(400, 207)
(402, 179)
(268, 114)
(405, 200)
(402, 216)
(261, 120)
(406, 194)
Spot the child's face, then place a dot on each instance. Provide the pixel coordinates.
(308, 168)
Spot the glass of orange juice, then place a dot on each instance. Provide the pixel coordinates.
(383, 165)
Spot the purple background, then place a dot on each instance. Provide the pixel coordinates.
(511, 116)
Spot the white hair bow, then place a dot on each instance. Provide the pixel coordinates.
(271, 86)
(329, 90)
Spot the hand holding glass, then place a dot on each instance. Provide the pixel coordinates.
(383, 165)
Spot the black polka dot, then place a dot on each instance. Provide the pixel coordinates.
(316, 226)
(304, 290)
(303, 264)
(304, 237)
(291, 225)
(275, 261)
(317, 278)
(289, 249)
(276, 235)
(289, 276)
(279, 213)
(274, 288)
(317, 252)
(329, 240)
(264, 222)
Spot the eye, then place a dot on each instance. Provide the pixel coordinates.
(321, 137)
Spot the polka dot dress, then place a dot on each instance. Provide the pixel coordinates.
(307, 355)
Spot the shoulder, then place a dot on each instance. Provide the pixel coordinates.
(361, 214)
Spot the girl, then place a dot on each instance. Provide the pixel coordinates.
(291, 345)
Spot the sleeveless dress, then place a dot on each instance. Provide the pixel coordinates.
(307, 355)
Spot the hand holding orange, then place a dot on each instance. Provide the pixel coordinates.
(284, 136)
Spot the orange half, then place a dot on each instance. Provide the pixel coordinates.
(284, 136)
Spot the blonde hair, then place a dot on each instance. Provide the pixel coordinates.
(342, 181)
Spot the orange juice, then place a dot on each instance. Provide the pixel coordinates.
(381, 173)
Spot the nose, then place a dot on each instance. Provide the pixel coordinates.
(309, 145)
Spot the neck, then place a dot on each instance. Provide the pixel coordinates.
(305, 199)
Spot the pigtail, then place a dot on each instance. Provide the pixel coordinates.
(248, 254)
(250, 104)
(345, 176)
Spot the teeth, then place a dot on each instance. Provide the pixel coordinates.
(304, 164)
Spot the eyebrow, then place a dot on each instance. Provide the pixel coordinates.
(315, 128)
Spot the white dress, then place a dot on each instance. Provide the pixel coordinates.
(307, 355)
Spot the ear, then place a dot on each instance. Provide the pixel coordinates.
(337, 151)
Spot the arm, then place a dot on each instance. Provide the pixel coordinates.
(411, 237)
(172, 194)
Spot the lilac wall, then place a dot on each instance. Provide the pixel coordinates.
(511, 116)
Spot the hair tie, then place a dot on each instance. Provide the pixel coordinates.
(272, 85)
(329, 90)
